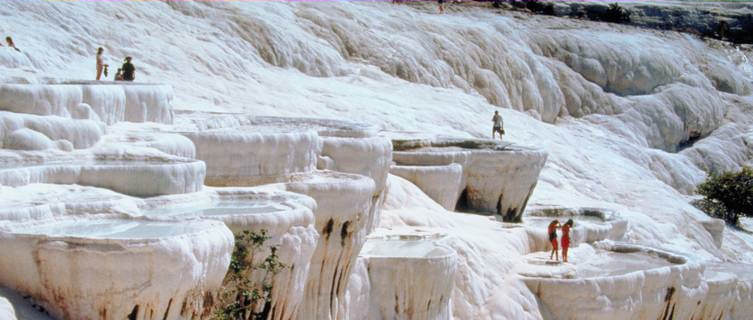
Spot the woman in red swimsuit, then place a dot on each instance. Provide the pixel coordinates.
(552, 231)
(566, 238)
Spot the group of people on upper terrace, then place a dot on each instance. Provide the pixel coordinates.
(127, 72)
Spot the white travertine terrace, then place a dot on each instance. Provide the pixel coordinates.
(13, 59)
(48, 201)
(247, 157)
(286, 218)
(169, 143)
(21, 131)
(441, 183)
(343, 208)
(730, 292)
(590, 224)
(631, 119)
(500, 177)
(368, 156)
(626, 282)
(139, 175)
(273, 148)
(409, 278)
(116, 268)
(110, 102)
(6, 310)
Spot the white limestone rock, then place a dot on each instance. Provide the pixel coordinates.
(410, 279)
(169, 143)
(250, 156)
(27, 139)
(285, 217)
(112, 102)
(368, 156)
(116, 268)
(10, 58)
(141, 175)
(590, 225)
(37, 130)
(342, 213)
(441, 183)
(730, 292)
(48, 201)
(499, 177)
(6, 310)
(624, 281)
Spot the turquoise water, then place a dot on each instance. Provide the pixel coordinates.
(110, 229)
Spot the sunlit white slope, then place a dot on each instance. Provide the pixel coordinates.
(611, 105)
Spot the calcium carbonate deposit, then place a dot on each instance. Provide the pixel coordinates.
(351, 142)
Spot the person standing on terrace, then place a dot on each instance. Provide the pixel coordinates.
(100, 63)
(566, 238)
(551, 230)
(498, 125)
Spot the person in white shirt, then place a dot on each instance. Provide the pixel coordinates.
(101, 63)
(498, 125)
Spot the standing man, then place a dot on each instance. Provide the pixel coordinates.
(498, 125)
(129, 71)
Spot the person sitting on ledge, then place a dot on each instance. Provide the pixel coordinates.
(129, 71)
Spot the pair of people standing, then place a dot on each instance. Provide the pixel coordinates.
(565, 240)
(125, 73)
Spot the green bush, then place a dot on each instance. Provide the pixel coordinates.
(241, 298)
(728, 195)
(615, 13)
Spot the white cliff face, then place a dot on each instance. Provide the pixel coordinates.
(20, 131)
(496, 178)
(138, 175)
(269, 157)
(409, 278)
(343, 211)
(668, 287)
(370, 156)
(442, 183)
(286, 218)
(113, 264)
(90, 100)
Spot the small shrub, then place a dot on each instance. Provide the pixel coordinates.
(241, 297)
(615, 13)
(728, 195)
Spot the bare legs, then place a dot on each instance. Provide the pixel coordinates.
(555, 253)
